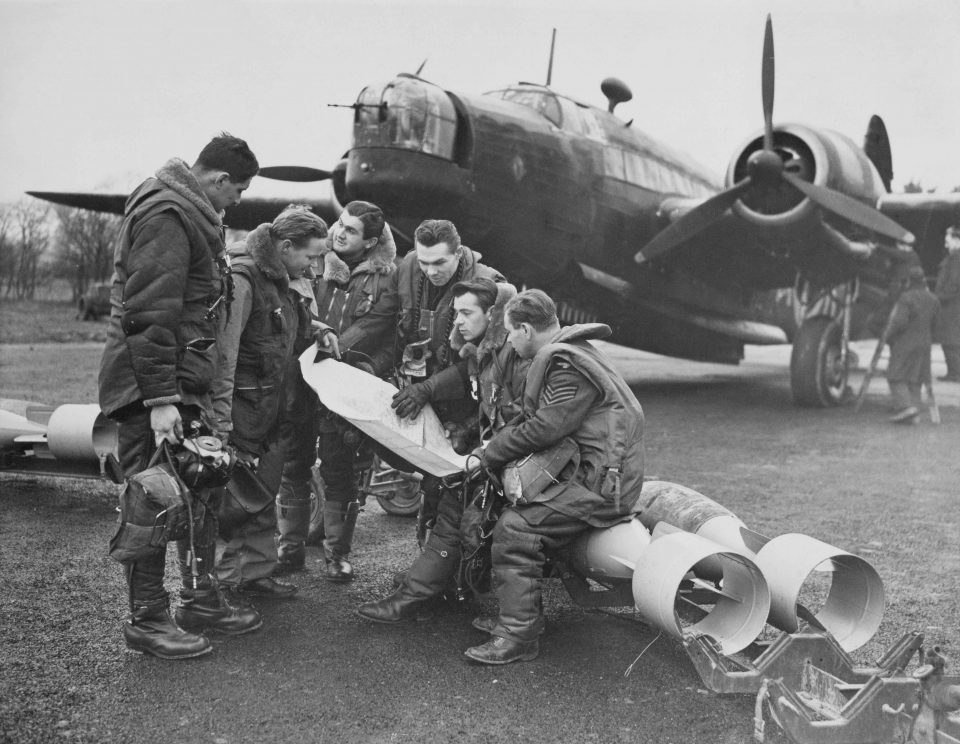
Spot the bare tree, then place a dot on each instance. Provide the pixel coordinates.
(84, 250)
(6, 246)
(25, 239)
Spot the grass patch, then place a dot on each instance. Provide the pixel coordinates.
(49, 355)
(46, 321)
(50, 373)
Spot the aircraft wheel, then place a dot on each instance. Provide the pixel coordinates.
(404, 502)
(817, 375)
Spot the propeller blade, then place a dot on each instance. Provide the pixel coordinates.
(298, 173)
(850, 209)
(111, 203)
(693, 222)
(767, 84)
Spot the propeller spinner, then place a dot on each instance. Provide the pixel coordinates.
(766, 172)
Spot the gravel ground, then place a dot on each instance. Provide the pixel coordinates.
(316, 672)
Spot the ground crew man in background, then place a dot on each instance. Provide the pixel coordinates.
(572, 390)
(910, 335)
(357, 299)
(492, 371)
(948, 293)
(170, 286)
(256, 343)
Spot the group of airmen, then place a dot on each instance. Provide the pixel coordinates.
(204, 340)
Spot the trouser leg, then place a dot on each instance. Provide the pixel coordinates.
(203, 605)
(149, 628)
(135, 443)
(340, 503)
(145, 584)
(518, 555)
(915, 390)
(900, 392)
(951, 353)
(298, 445)
(250, 553)
(293, 522)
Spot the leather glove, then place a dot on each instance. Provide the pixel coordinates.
(250, 460)
(410, 401)
(326, 339)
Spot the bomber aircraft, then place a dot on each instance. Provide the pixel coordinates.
(798, 244)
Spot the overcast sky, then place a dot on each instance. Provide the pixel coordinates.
(99, 94)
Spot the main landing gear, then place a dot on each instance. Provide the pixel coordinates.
(821, 358)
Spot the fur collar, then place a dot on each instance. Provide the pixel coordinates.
(496, 333)
(259, 246)
(380, 260)
(176, 175)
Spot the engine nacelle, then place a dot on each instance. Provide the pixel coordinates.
(819, 156)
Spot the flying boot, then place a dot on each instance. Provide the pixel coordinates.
(425, 579)
(488, 624)
(339, 522)
(518, 591)
(203, 605)
(149, 629)
(293, 525)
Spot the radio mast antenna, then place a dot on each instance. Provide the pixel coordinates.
(553, 40)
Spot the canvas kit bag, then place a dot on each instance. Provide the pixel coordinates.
(526, 479)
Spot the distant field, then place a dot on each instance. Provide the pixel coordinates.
(46, 354)
(43, 321)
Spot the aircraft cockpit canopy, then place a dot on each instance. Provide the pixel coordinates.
(541, 100)
(561, 112)
(408, 113)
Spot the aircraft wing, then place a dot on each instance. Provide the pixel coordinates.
(927, 216)
(251, 211)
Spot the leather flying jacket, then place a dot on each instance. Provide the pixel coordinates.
(170, 284)
(360, 304)
(257, 339)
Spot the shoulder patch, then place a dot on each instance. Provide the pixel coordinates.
(561, 388)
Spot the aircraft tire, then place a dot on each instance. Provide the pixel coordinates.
(817, 379)
(404, 502)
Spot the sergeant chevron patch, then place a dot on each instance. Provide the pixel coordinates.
(559, 393)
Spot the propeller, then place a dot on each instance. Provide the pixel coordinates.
(766, 170)
(298, 173)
